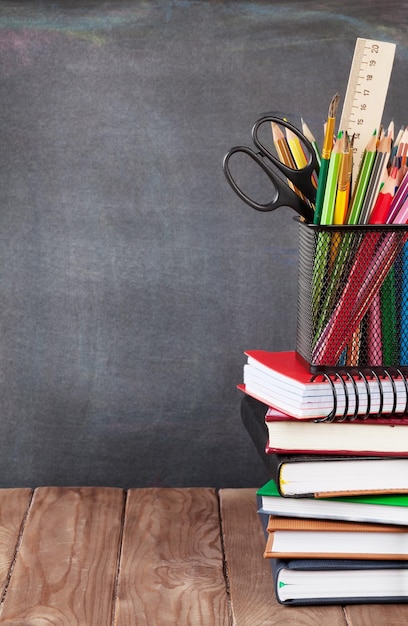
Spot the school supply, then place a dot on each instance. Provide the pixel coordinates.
(325, 157)
(309, 135)
(330, 510)
(366, 93)
(333, 301)
(324, 474)
(282, 194)
(304, 538)
(332, 475)
(385, 436)
(316, 582)
(380, 509)
(284, 381)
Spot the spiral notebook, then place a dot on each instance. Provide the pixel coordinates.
(283, 380)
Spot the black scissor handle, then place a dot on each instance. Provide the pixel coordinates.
(283, 196)
(301, 178)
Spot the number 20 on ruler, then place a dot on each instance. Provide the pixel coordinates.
(366, 93)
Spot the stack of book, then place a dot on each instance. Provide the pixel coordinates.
(335, 512)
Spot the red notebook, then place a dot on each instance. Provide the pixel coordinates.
(281, 380)
(385, 436)
(322, 474)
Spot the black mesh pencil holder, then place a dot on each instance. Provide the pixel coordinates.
(353, 298)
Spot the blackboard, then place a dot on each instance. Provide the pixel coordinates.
(131, 277)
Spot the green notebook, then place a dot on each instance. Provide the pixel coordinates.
(385, 509)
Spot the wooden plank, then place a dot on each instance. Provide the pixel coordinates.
(377, 615)
(65, 570)
(171, 569)
(250, 579)
(14, 505)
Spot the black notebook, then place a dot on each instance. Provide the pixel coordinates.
(338, 581)
(321, 475)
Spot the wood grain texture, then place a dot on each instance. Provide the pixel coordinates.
(377, 615)
(101, 557)
(250, 579)
(65, 570)
(14, 504)
(171, 568)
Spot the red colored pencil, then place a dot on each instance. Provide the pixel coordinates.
(384, 199)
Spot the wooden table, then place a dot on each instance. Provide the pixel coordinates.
(103, 556)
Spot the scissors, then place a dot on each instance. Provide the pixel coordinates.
(283, 194)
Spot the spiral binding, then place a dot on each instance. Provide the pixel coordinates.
(365, 376)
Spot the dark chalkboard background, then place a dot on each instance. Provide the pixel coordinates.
(131, 277)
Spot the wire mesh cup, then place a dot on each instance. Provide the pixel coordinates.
(353, 297)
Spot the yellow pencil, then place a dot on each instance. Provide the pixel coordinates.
(296, 149)
(343, 188)
(284, 153)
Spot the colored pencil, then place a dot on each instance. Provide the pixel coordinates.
(373, 261)
(383, 203)
(282, 147)
(374, 332)
(325, 158)
(388, 319)
(296, 149)
(343, 187)
(362, 180)
(309, 135)
(378, 172)
(329, 199)
(398, 202)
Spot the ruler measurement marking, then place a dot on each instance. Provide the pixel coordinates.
(366, 92)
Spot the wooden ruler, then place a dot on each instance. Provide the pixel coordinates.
(366, 93)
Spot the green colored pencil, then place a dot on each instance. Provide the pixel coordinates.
(329, 199)
(325, 158)
(363, 180)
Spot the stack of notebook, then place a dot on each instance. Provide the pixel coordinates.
(335, 512)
